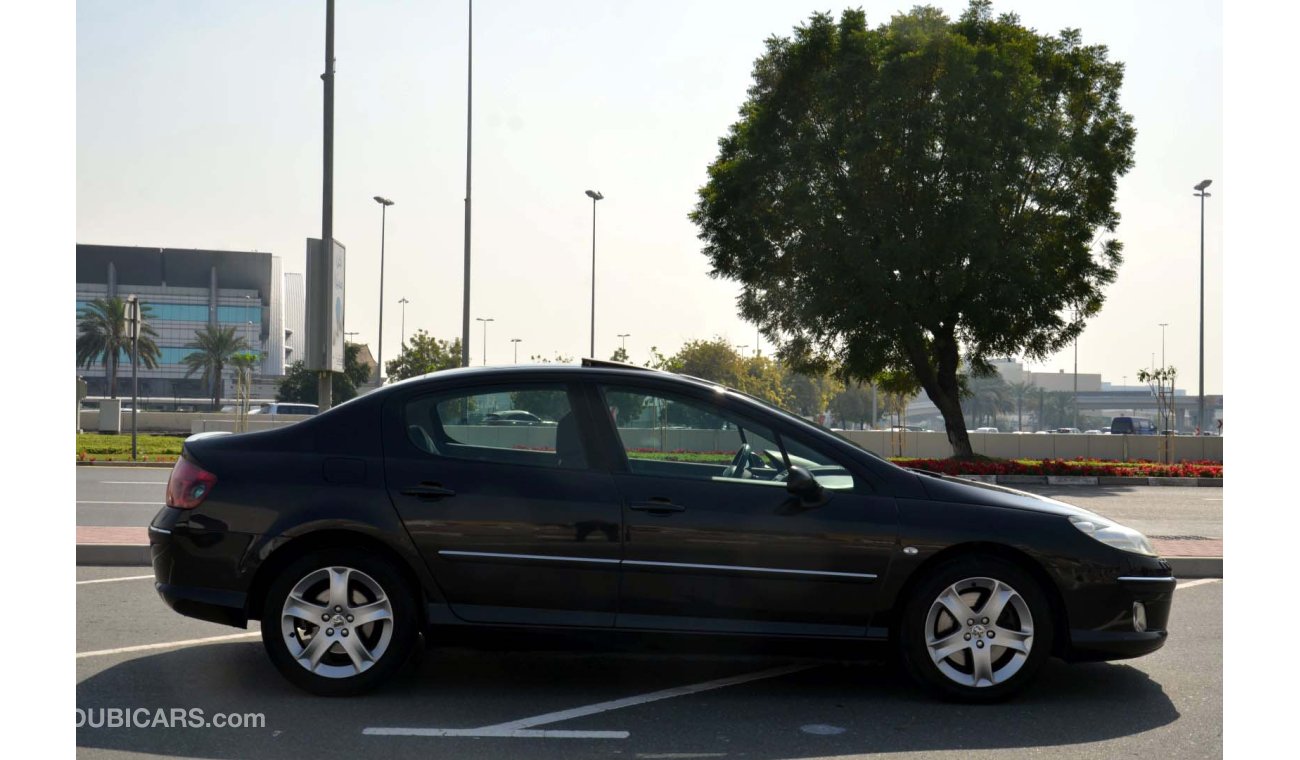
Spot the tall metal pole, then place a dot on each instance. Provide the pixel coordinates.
(1199, 187)
(133, 318)
(592, 354)
(516, 341)
(484, 321)
(383, 228)
(403, 302)
(469, 134)
(324, 385)
(1076, 375)
(1163, 325)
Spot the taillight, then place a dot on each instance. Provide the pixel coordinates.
(188, 485)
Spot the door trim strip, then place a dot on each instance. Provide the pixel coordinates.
(745, 569)
(643, 563)
(534, 557)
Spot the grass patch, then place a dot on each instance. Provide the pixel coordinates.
(112, 448)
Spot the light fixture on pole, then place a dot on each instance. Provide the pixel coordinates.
(1199, 187)
(594, 195)
(516, 341)
(403, 302)
(623, 337)
(383, 224)
(484, 321)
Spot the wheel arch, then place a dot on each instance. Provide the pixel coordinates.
(1060, 620)
(328, 538)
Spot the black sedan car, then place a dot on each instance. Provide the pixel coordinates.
(657, 503)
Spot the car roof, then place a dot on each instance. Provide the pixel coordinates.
(588, 368)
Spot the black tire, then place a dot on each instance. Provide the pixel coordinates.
(970, 570)
(403, 624)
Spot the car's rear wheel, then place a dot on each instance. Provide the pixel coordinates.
(338, 622)
(976, 629)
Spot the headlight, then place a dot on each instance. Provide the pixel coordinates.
(1111, 534)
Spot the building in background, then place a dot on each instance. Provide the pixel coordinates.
(295, 318)
(185, 290)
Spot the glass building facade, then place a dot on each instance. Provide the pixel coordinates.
(184, 291)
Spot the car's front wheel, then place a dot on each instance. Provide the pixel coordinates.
(338, 622)
(976, 629)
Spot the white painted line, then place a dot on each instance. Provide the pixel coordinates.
(134, 482)
(1198, 582)
(497, 733)
(168, 645)
(115, 580)
(127, 503)
(654, 696)
(520, 728)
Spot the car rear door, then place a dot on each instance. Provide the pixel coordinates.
(512, 520)
(714, 547)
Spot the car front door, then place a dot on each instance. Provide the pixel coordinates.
(713, 539)
(512, 520)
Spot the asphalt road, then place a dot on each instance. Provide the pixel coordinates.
(125, 496)
(1168, 704)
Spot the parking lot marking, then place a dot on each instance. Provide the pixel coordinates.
(1199, 582)
(115, 580)
(522, 728)
(135, 482)
(125, 503)
(168, 645)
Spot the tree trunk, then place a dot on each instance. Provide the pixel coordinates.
(949, 404)
(216, 388)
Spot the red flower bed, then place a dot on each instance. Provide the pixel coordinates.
(1199, 469)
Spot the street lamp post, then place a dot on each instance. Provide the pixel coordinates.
(1163, 325)
(516, 341)
(1200, 383)
(403, 302)
(484, 321)
(469, 133)
(383, 224)
(594, 195)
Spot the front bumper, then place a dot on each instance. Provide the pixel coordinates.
(1118, 637)
(196, 570)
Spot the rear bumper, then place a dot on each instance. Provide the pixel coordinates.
(186, 562)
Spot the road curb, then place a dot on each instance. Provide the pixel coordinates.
(1196, 567)
(1095, 480)
(127, 463)
(1071, 480)
(117, 555)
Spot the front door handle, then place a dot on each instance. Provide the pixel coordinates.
(657, 506)
(428, 491)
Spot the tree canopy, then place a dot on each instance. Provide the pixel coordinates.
(214, 346)
(102, 337)
(423, 354)
(301, 385)
(921, 196)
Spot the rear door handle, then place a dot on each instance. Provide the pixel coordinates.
(657, 507)
(428, 491)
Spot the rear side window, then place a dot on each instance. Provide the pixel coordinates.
(523, 424)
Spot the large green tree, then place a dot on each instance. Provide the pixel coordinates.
(102, 337)
(423, 354)
(302, 385)
(921, 196)
(214, 347)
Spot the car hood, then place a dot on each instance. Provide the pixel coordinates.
(951, 489)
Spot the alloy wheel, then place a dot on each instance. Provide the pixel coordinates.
(337, 622)
(979, 632)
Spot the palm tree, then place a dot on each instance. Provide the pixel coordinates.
(989, 396)
(1019, 391)
(216, 346)
(102, 337)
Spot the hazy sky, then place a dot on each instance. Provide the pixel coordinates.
(199, 126)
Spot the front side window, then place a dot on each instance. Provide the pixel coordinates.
(525, 424)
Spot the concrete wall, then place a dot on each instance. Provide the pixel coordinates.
(883, 442)
(1050, 446)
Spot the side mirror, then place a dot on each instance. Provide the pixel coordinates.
(799, 482)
